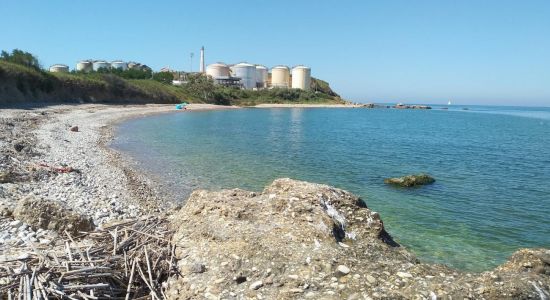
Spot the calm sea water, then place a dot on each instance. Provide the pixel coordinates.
(492, 166)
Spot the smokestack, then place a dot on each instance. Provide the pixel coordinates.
(202, 60)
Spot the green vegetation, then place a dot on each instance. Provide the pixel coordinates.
(22, 80)
(126, 74)
(164, 77)
(21, 58)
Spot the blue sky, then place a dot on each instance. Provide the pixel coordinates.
(470, 52)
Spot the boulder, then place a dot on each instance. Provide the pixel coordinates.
(46, 214)
(300, 240)
(410, 180)
(6, 177)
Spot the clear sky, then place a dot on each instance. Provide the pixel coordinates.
(467, 51)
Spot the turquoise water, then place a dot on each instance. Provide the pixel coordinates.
(492, 166)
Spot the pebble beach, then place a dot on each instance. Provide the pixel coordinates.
(102, 187)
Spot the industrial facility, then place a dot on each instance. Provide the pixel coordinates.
(242, 75)
(96, 65)
(59, 68)
(251, 76)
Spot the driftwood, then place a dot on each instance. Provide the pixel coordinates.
(127, 260)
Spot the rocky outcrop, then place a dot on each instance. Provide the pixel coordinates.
(46, 214)
(299, 240)
(410, 180)
(404, 106)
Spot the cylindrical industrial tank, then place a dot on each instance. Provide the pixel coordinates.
(101, 64)
(118, 64)
(59, 68)
(247, 73)
(134, 66)
(84, 66)
(261, 76)
(217, 70)
(280, 76)
(301, 78)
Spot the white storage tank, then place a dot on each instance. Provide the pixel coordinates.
(261, 76)
(247, 73)
(280, 76)
(217, 70)
(301, 78)
(118, 64)
(59, 68)
(84, 66)
(134, 66)
(101, 64)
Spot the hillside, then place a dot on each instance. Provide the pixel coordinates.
(20, 83)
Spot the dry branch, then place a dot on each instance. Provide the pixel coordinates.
(95, 265)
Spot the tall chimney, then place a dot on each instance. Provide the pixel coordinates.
(202, 60)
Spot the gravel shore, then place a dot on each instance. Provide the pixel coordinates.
(42, 158)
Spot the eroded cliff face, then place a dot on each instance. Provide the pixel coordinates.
(299, 240)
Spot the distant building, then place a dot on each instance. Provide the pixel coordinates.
(58, 68)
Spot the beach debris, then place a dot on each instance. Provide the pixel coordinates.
(62, 169)
(183, 105)
(74, 129)
(410, 180)
(47, 214)
(130, 259)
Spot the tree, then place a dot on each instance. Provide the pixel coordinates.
(21, 58)
(164, 77)
(200, 85)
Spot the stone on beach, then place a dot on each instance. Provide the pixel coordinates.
(342, 270)
(45, 214)
(410, 180)
(6, 176)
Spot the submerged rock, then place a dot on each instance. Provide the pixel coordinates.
(45, 214)
(286, 243)
(410, 180)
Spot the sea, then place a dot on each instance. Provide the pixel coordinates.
(491, 164)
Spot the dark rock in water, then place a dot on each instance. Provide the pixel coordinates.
(41, 213)
(410, 180)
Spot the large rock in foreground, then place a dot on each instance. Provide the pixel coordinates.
(299, 240)
(45, 214)
(410, 180)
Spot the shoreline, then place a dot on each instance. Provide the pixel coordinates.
(107, 188)
(290, 105)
